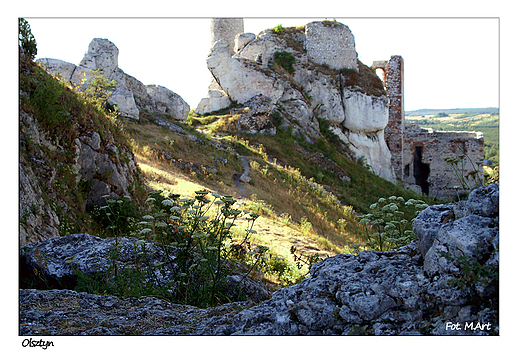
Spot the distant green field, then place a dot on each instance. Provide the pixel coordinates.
(473, 111)
(477, 119)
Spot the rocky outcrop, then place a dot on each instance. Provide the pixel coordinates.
(239, 77)
(216, 100)
(468, 229)
(87, 314)
(110, 171)
(406, 292)
(66, 163)
(130, 95)
(58, 262)
(100, 164)
(325, 84)
(415, 290)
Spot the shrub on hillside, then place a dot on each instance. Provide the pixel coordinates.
(285, 60)
(201, 235)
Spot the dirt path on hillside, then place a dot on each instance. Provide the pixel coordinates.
(239, 180)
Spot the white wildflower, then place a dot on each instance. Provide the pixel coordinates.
(167, 202)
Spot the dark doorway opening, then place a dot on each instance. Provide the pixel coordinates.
(421, 170)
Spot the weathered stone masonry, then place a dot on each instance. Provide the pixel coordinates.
(424, 151)
(418, 154)
(334, 46)
(394, 130)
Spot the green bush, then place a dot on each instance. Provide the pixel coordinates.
(118, 218)
(302, 260)
(285, 60)
(199, 235)
(472, 273)
(99, 90)
(279, 29)
(467, 181)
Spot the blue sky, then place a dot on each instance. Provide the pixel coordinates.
(449, 62)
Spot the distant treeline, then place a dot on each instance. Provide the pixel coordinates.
(420, 112)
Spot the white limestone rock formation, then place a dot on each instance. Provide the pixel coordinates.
(242, 40)
(217, 99)
(130, 95)
(240, 78)
(363, 128)
(56, 66)
(324, 55)
(168, 102)
(224, 30)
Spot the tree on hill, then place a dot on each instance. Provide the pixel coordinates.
(26, 39)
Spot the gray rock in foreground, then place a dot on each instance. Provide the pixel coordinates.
(56, 263)
(66, 312)
(400, 292)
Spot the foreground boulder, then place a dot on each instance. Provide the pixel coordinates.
(414, 290)
(93, 315)
(399, 292)
(57, 263)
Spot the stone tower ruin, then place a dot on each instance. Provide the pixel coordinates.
(221, 29)
(412, 155)
(225, 29)
(332, 44)
(393, 73)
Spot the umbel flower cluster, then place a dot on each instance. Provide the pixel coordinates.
(192, 253)
(392, 218)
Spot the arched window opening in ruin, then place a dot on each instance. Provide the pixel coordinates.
(381, 73)
(421, 170)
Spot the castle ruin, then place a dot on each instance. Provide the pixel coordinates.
(334, 47)
(417, 153)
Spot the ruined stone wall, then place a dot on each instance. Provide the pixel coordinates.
(424, 167)
(332, 44)
(418, 154)
(394, 73)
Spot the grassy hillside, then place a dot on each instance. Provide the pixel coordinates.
(485, 120)
(61, 116)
